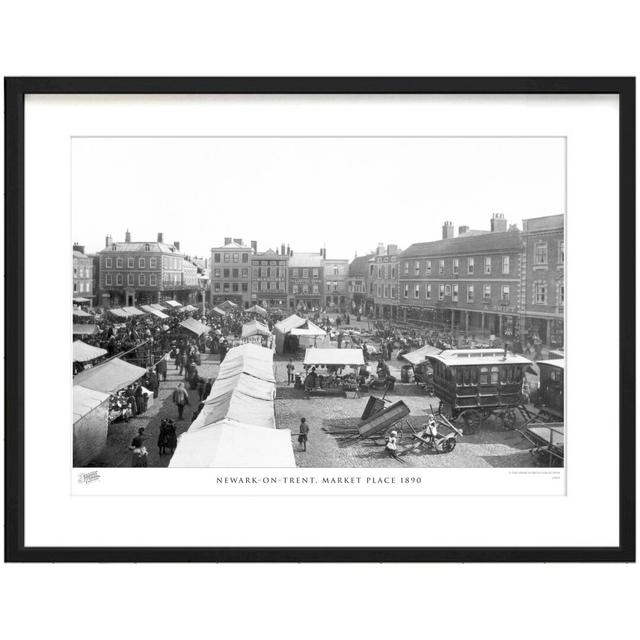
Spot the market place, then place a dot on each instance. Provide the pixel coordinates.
(221, 386)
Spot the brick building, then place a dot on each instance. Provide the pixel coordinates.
(82, 273)
(306, 281)
(542, 281)
(358, 290)
(383, 281)
(469, 283)
(230, 272)
(336, 272)
(269, 279)
(133, 273)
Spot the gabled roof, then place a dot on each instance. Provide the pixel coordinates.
(358, 266)
(486, 242)
(139, 247)
(305, 260)
(78, 254)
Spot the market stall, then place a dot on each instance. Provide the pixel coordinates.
(153, 311)
(110, 376)
(256, 332)
(85, 329)
(294, 332)
(79, 313)
(90, 423)
(258, 310)
(172, 304)
(83, 352)
(133, 311)
(236, 426)
(419, 362)
(334, 369)
(120, 313)
(195, 327)
(189, 308)
(219, 311)
(311, 335)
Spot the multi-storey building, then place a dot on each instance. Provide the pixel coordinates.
(469, 283)
(306, 281)
(143, 272)
(336, 291)
(230, 272)
(542, 281)
(269, 279)
(360, 298)
(383, 281)
(82, 273)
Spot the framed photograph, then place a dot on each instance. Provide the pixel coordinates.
(320, 319)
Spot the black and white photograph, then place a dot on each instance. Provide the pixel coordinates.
(318, 301)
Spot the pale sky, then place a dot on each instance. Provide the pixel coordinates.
(345, 193)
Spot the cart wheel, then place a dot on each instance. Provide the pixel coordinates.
(472, 420)
(449, 445)
(509, 419)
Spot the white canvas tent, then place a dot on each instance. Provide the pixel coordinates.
(189, 307)
(83, 352)
(308, 333)
(257, 309)
(133, 311)
(153, 311)
(119, 313)
(84, 329)
(227, 444)
(79, 313)
(195, 327)
(255, 328)
(339, 357)
(173, 304)
(219, 311)
(420, 355)
(236, 427)
(90, 423)
(109, 377)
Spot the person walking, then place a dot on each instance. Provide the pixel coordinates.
(290, 371)
(303, 436)
(180, 398)
(161, 369)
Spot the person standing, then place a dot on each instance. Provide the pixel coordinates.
(290, 371)
(303, 436)
(180, 398)
(140, 454)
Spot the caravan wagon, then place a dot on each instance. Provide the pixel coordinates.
(473, 384)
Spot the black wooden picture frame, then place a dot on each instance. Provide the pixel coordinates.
(15, 91)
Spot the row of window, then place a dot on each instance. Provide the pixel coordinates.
(385, 291)
(541, 253)
(168, 263)
(304, 273)
(228, 287)
(231, 257)
(109, 280)
(426, 266)
(231, 273)
(82, 272)
(268, 272)
(452, 291)
(268, 286)
(473, 376)
(304, 289)
(82, 287)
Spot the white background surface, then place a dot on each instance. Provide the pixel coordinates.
(399, 38)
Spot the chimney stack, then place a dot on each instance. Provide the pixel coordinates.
(107, 241)
(498, 223)
(176, 244)
(282, 249)
(127, 236)
(78, 247)
(160, 237)
(392, 249)
(447, 230)
(288, 251)
(254, 246)
(227, 240)
(463, 230)
(238, 240)
(380, 249)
